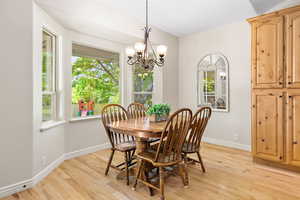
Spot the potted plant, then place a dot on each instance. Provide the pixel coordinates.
(159, 112)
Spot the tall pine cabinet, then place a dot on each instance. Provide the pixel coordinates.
(276, 87)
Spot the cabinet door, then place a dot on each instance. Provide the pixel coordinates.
(267, 125)
(267, 53)
(293, 50)
(293, 128)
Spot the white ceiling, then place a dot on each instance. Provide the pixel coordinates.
(261, 6)
(181, 17)
(177, 17)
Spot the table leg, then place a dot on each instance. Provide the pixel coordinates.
(141, 145)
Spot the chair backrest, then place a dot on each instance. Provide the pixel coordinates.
(136, 110)
(198, 125)
(173, 136)
(111, 113)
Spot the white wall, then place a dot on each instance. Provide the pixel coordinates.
(233, 40)
(88, 133)
(16, 91)
(49, 144)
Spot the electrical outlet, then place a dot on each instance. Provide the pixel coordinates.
(44, 160)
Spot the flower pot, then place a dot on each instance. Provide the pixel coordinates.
(158, 118)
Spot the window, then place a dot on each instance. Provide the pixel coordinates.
(213, 82)
(96, 80)
(49, 77)
(142, 85)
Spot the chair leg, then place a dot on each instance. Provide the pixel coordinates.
(109, 161)
(138, 174)
(147, 180)
(183, 174)
(126, 166)
(201, 162)
(161, 183)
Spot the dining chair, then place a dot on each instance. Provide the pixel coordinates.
(169, 151)
(193, 141)
(119, 142)
(137, 110)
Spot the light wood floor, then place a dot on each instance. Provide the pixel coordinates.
(230, 175)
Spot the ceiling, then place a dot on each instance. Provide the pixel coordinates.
(177, 17)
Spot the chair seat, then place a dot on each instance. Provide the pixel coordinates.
(189, 148)
(151, 140)
(126, 146)
(149, 155)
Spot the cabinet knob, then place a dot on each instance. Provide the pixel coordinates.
(280, 83)
(295, 142)
(289, 83)
(262, 140)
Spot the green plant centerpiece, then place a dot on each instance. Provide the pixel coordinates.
(159, 112)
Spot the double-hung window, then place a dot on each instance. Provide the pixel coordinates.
(49, 86)
(142, 85)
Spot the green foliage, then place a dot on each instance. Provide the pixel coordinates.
(143, 82)
(159, 109)
(142, 79)
(95, 80)
(209, 84)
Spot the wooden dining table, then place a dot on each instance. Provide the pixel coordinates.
(141, 128)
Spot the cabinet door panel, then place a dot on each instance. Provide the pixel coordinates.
(267, 52)
(293, 50)
(293, 128)
(267, 125)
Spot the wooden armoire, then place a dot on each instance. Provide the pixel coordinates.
(276, 87)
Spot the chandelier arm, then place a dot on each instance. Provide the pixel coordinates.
(132, 61)
(159, 63)
(154, 53)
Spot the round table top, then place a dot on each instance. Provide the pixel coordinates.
(140, 127)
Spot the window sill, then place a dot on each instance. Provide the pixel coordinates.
(46, 127)
(78, 119)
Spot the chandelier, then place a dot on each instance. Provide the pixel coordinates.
(143, 53)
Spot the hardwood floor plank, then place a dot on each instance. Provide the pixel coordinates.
(231, 175)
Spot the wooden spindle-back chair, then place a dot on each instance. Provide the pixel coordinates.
(136, 110)
(193, 140)
(119, 142)
(169, 151)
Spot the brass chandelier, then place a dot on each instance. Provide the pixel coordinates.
(143, 53)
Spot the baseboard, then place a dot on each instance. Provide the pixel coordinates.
(85, 151)
(14, 188)
(227, 143)
(24, 185)
(47, 170)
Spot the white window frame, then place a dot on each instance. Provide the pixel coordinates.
(157, 93)
(121, 77)
(143, 92)
(54, 91)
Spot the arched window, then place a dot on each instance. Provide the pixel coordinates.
(212, 80)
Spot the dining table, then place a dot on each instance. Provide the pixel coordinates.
(141, 128)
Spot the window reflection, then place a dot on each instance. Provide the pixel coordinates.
(213, 82)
